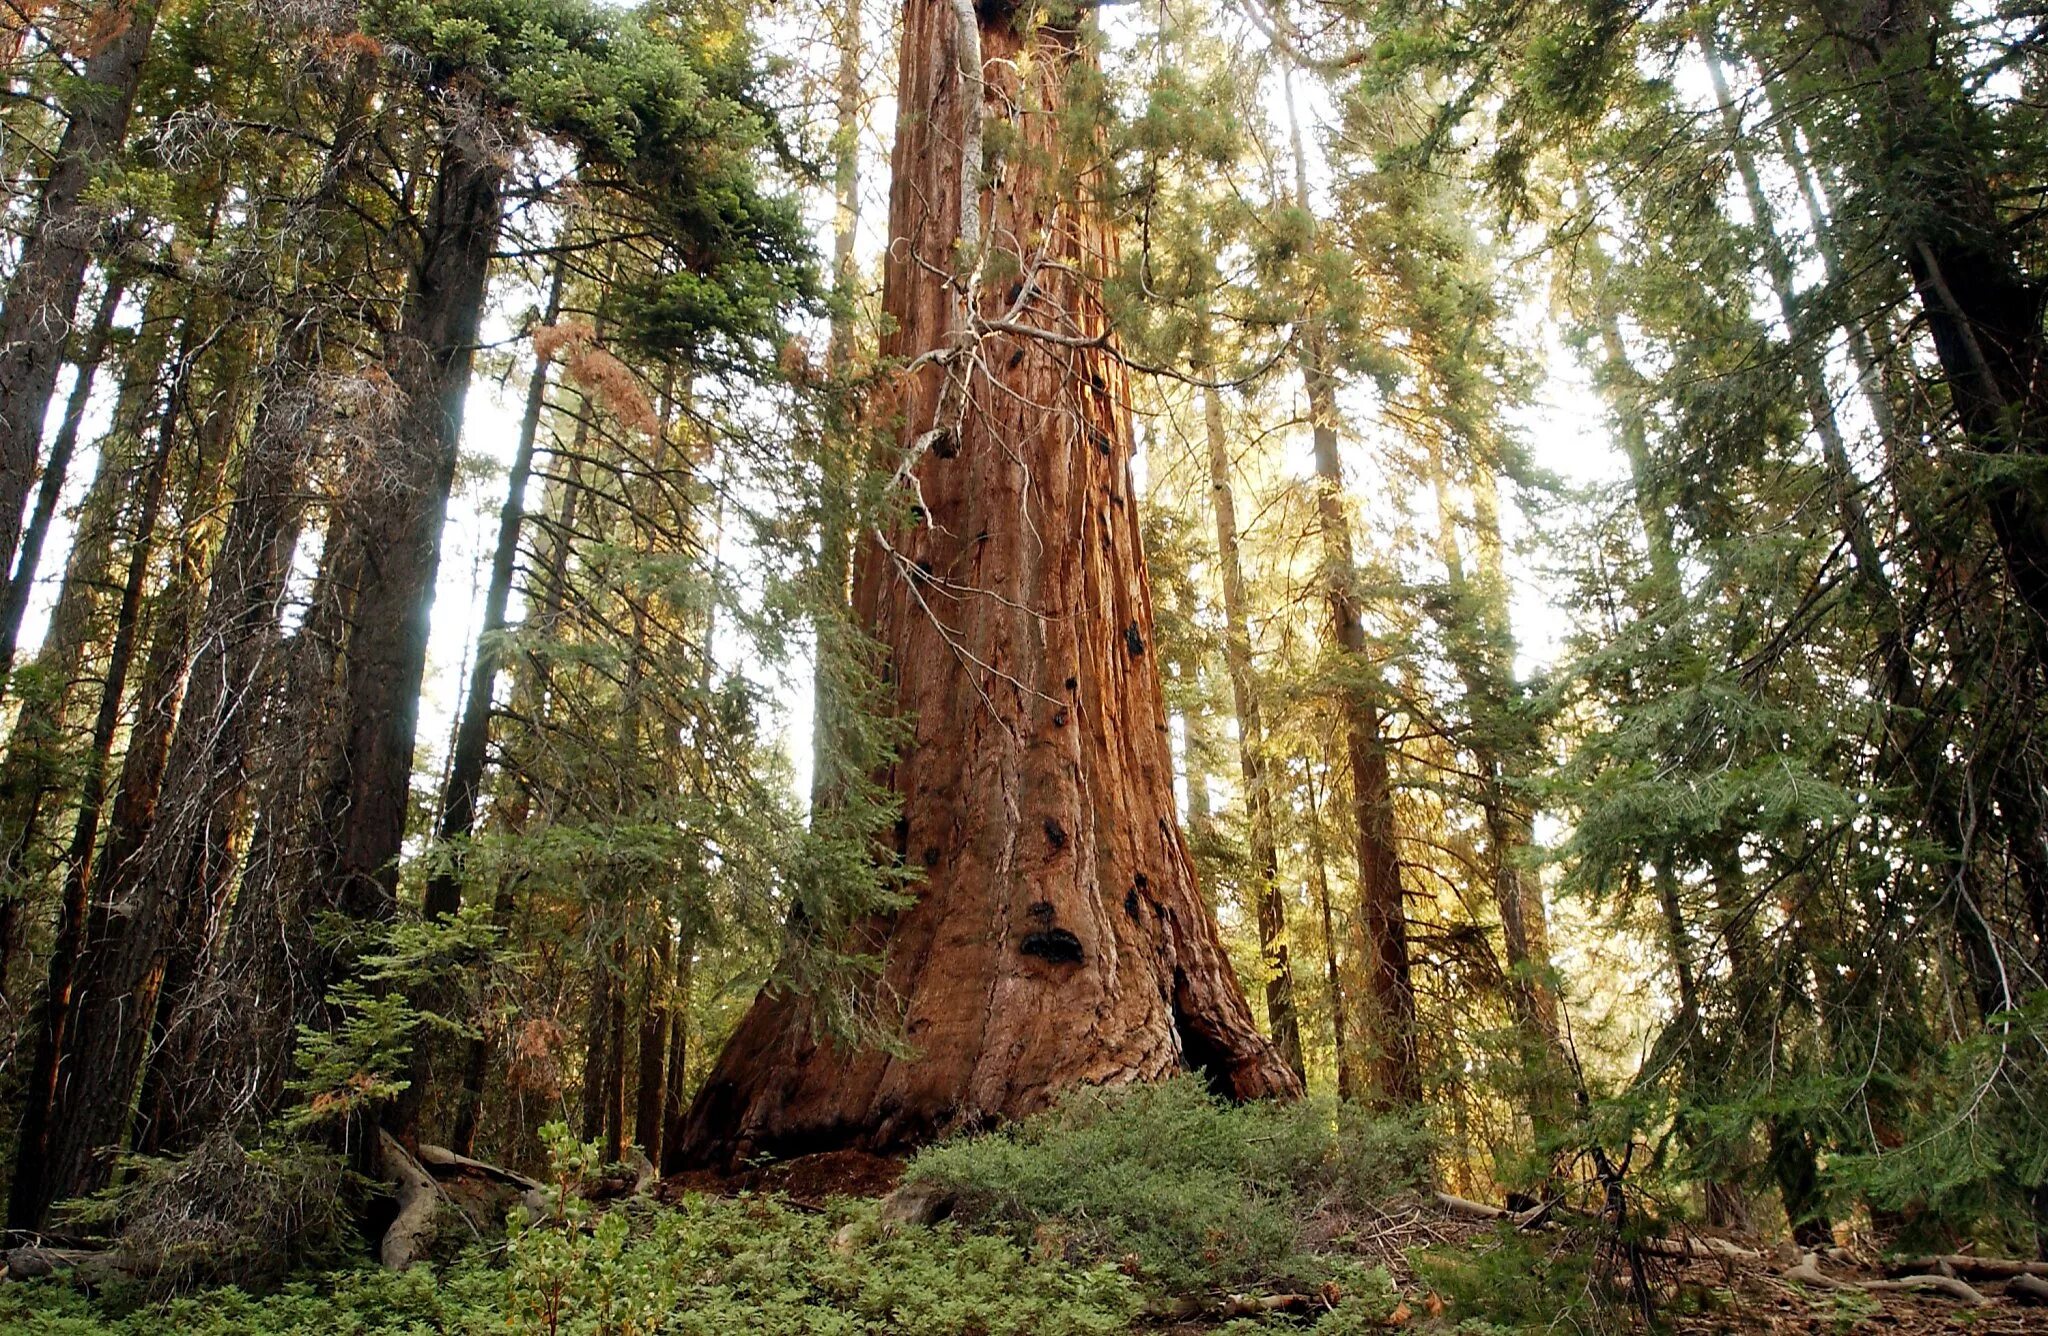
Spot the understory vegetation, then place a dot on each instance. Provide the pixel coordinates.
(1112, 1212)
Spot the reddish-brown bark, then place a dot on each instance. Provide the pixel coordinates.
(1057, 937)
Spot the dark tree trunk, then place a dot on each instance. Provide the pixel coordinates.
(1925, 164)
(650, 1088)
(228, 1056)
(49, 274)
(597, 1033)
(470, 750)
(1333, 974)
(1058, 937)
(675, 1095)
(473, 731)
(14, 602)
(615, 1059)
(396, 518)
(97, 1007)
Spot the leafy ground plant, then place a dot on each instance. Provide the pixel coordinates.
(1186, 1192)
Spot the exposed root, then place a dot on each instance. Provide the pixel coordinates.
(419, 1201)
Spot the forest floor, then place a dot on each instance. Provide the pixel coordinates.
(1718, 1296)
(1148, 1210)
(1756, 1296)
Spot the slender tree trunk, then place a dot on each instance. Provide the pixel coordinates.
(96, 1010)
(1282, 1020)
(473, 730)
(651, 1089)
(29, 769)
(548, 589)
(1483, 643)
(1333, 975)
(1197, 730)
(49, 273)
(1393, 1058)
(1390, 989)
(615, 1059)
(839, 450)
(14, 602)
(1871, 361)
(675, 1096)
(1057, 937)
(597, 1030)
(469, 751)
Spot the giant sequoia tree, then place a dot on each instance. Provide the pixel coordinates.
(1056, 936)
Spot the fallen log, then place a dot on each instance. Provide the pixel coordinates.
(1191, 1308)
(1963, 1264)
(1808, 1272)
(1479, 1210)
(1705, 1248)
(91, 1265)
(533, 1195)
(2030, 1290)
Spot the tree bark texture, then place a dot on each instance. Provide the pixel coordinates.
(1057, 937)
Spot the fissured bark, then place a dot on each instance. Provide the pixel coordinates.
(1057, 937)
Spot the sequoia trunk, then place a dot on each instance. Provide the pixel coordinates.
(1057, 937)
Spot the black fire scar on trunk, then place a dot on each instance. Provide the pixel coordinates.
(1054, 944)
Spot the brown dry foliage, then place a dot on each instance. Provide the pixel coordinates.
(533, 1066)
(608, 380)
(98, 29)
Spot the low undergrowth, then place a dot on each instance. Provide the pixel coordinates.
(709, 1267)
(1185, 1192)
(1143, 1209)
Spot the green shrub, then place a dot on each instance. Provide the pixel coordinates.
(366, 1302)
(1512, 1281)
(710, 1267)
(1186, 1192)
